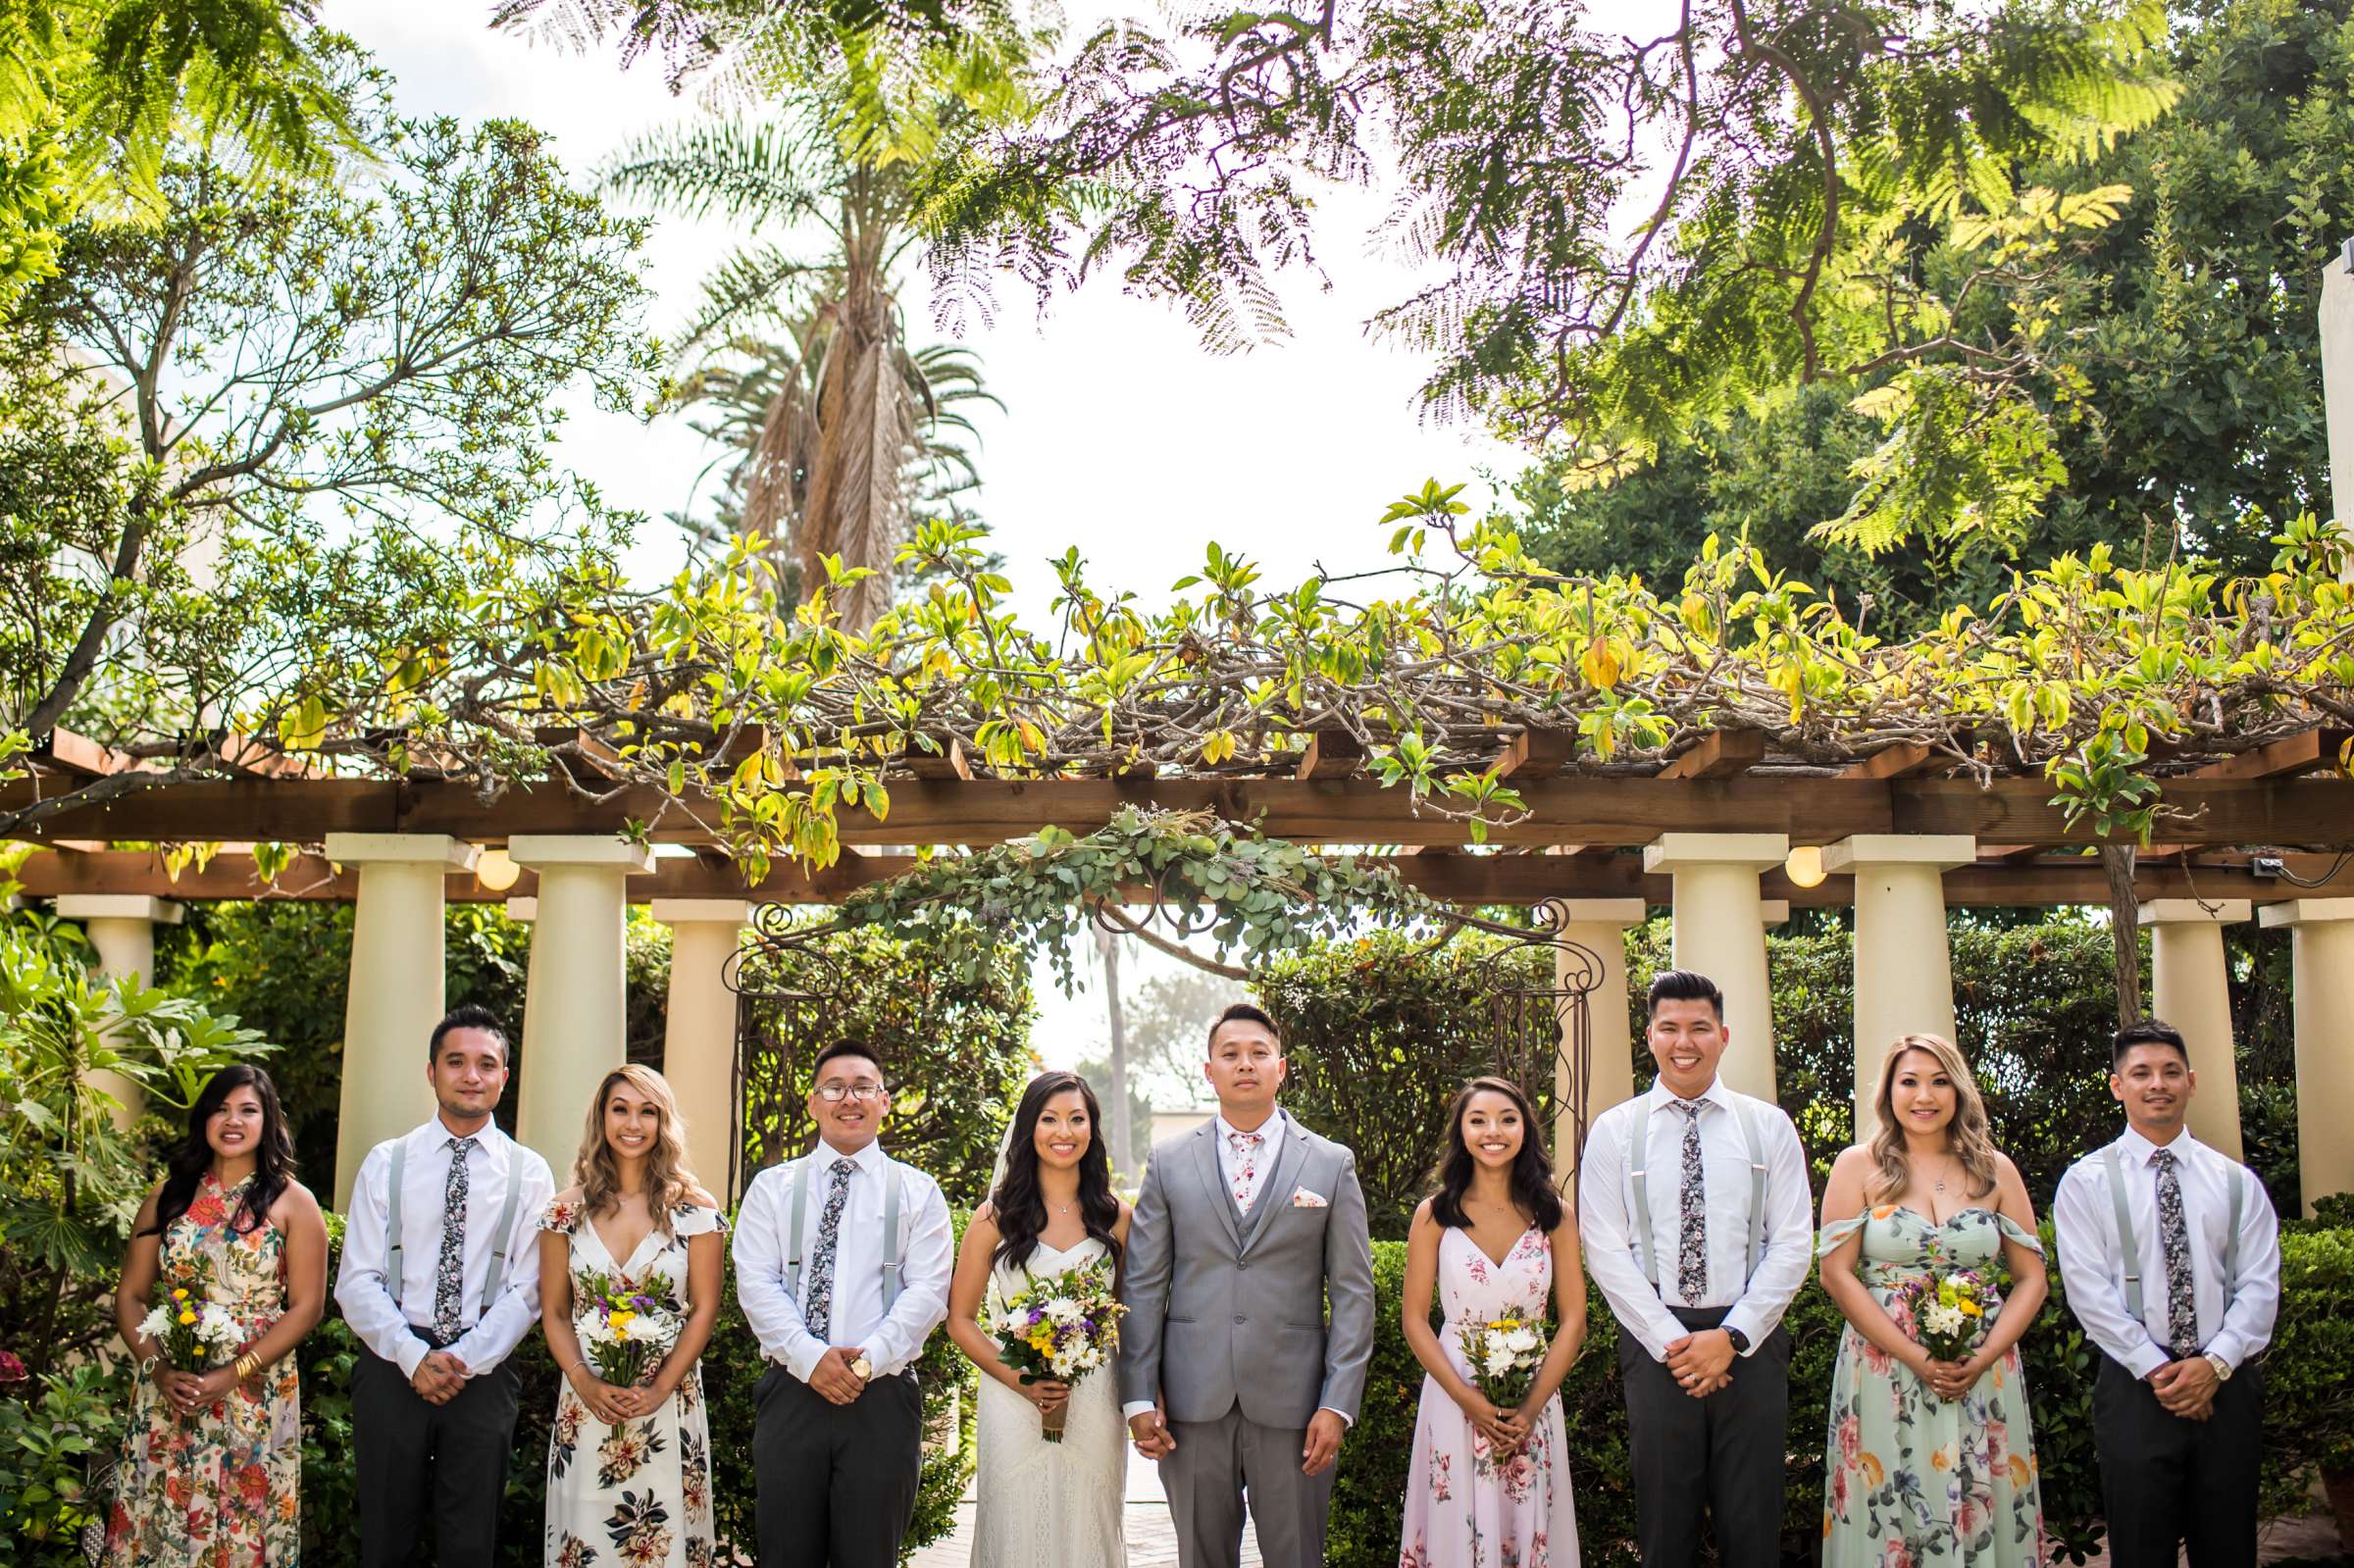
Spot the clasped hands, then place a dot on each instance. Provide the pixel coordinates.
(191, 1391)
(1149, 1428)
(1701, 1363)
(2186, 1388)
(439, 1378)
(1949, 1379)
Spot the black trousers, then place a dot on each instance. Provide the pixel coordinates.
(1724, 1451)
(2167, 1482)
(837, 1482)
(421, 1462)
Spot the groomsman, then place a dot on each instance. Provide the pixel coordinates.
(843, 1260)
(2171, 1253)
(440, 1281)
(1696, 1217)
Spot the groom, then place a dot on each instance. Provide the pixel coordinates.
(1231, 1375)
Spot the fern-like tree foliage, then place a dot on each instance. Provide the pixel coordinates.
(1621, 235)
(850, 437)
(92, 93)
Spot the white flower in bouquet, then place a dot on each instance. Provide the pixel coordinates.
(1062, 1310)
(218, 1329)
(1941, 1318)
(1521, 1340)
(156, 1324)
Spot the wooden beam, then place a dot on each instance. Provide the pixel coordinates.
(589, 761)
(1720, 754)
(64, 751)
(1571, 809)
(947, 762)
(1536, 754)
(1897, 762)
(1331, 754)
(2309, 752)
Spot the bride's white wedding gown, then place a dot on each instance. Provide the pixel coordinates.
(1044, 1505)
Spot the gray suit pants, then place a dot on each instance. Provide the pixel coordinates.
(1215, 1463)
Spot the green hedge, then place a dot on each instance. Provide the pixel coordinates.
(2309, 1414)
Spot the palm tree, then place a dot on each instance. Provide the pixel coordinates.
(852, 415)
(760, 399)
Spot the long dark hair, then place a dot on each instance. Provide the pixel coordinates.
(1020, 1209)
(1533, 1191)
(192, 1156)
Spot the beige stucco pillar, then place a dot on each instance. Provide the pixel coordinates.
(2191, 989)
(2322, 952)
(1903, 966)
(2338, 378)
(121, 927)
(698, 1034)
(1598, 924)
(574, 1025)
(1721, 923)
(397, 978)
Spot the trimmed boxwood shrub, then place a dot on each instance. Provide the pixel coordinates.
(2309, 1414)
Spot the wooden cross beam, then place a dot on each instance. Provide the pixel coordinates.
(1720, 754)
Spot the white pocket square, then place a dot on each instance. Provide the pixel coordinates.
(1303, 1199)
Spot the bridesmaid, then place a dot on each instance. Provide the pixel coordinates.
(1928, 1459)
(641, 1495)
(212, 1466)
(1489, 1488)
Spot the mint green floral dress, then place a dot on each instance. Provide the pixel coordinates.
(1913, 1480)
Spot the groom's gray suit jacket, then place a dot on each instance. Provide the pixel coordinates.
(1225, 1308)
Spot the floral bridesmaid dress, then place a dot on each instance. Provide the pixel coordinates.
(1911, 1479)
(220, 1486)
(642, 1497)
(1463, 1510)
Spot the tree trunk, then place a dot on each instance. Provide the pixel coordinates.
(2125, 930)
(1107, 946)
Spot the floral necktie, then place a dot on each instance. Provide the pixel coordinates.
(1692, 1214)
(1245, 1146)
(450, 1272)
(2174, 1237)
(818, 1316)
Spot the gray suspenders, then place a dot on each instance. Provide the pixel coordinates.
(503, 1236)
(1639, 1159)
(894, 1256)
(2129, 1251)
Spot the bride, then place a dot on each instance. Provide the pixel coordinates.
(1044, 1505)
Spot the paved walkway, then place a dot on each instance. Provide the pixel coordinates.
(1152, 1543)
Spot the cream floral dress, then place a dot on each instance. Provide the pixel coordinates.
(639, 1498)
(1462, 1508)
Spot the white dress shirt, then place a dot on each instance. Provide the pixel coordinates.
(1606, 1197)
(1230, 1159)
(2084, 1223)
(763, 1229)
(395, 1332)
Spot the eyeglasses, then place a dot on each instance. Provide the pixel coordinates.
(836, 1093)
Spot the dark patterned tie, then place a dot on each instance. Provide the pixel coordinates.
(1692, 1208)
(818, 1316)
(449, 1273)
(2174, 1236)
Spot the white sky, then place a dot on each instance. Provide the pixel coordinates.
(1121, 435)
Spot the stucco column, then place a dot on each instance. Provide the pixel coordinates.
(574, 1025)
(1721, 931)
(1904, 965)
(2336, 323)
(2191, 990)
(2322, 953)
(698, 1034)
(398, 977)
(121, 927)
(1598, 924)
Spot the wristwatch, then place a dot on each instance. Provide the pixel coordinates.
(1740, 1341)
(864, 1368)
(2222, 1368)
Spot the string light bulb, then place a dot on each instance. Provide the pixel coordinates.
(496, 871)
(1803, 868)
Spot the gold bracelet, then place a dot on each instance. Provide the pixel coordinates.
(247, 1366)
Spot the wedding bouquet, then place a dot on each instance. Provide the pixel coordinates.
(1059, 1330)
(1949, 1313)
(628, 1330)
(1504, 1354)
(196, 1334)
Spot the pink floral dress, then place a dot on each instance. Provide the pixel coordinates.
(220, 1486)
(1913, 1480)
(1463, 1510)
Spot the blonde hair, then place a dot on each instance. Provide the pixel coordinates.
(1966, 1134)
(669, 1184)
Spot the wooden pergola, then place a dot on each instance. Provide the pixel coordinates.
(1903, 835)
